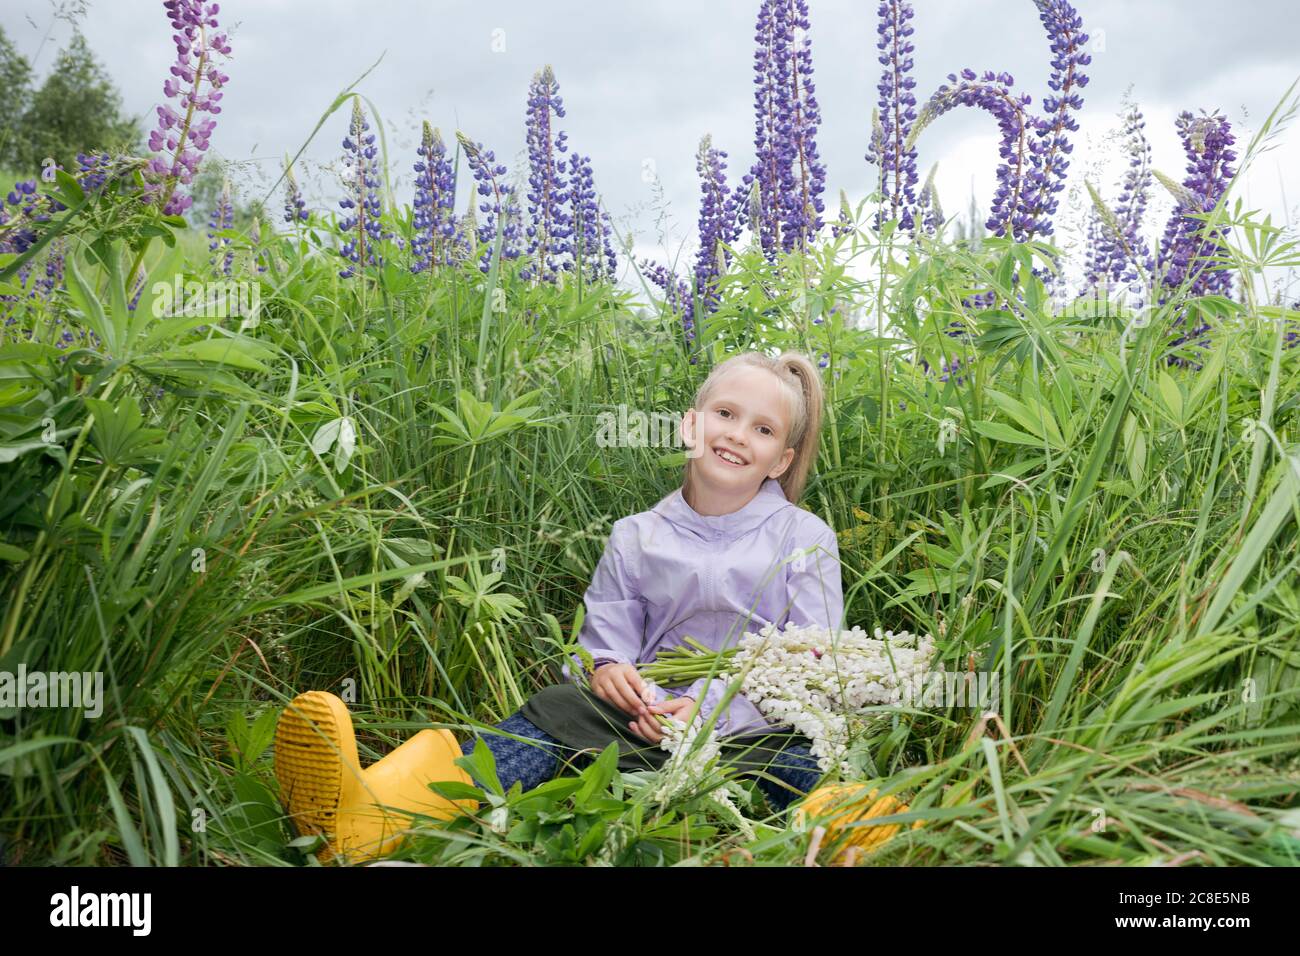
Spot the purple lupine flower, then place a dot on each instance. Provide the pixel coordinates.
(551, 226)
(1097, 252)
(1033, 166)
(677, 296)
(718, 222)
(18, 235)
(763, 213)
(1047, 150)
(18, 232)
(466, 235)
(897, 113)
(435, 197)
(490, 176)
(295, 208)
(135, 296)
(53, 277)
(1187, 248)
(929, 213)
(223, 217)
(1117, 249)
(803, 177)
(592, 229)
(1292, 334)
(786, 181)
(1132, 204)
(363, 225)
(178, 134)
(992, 92)
(92, 170)
(1206, 141)
(950, 368)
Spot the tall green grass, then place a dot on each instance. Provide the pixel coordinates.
(1105, 534)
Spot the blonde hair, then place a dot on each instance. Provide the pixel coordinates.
(803, 388)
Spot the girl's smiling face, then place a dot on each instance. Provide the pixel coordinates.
(743, 431)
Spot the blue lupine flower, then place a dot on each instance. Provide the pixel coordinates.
(677, 296)
(897, 163)
(363, 225)
(1187, 248)
(1047, 162)
(718, 224)
(843, 224)
(435, 196)
(223, 217)
(784, 185)
(551, 226)
(295, 208)
(1115, 253)
(500, 203)
(1033, 149)
(992, 92)
(592, 230)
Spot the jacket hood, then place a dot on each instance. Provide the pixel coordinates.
(768, 501)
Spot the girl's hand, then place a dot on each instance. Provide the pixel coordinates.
(649, 727)
(622, 686)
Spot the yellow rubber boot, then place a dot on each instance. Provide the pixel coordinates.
(843, 808)
(361, 813)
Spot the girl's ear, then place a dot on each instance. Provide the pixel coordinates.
(783, 464)
(687, 430)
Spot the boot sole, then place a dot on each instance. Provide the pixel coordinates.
(314, 747)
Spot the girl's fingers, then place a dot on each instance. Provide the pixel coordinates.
(649, 730)
(631, 703)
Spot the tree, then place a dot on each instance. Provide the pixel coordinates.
(15, 96)
(76, 109)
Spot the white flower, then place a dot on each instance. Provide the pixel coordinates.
(812, 692)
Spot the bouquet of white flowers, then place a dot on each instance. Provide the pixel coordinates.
(810, 678)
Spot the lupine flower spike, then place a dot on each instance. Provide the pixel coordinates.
(196, 84)
(435, 198)
(592, 230)
(498, 203)
(895, 160)
(1187, 248)
(551, 225)
(223, 217)
(295, 208)
(786, 205)
(363, 226)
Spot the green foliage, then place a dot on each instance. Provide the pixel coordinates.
(394, 480)
(15, 98)
(76, 108)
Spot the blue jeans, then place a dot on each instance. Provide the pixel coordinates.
(538, 759)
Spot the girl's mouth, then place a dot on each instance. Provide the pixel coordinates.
(719, 453)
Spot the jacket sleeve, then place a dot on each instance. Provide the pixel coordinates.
(614, 625)
(813, 587)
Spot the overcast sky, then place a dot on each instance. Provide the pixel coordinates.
(641, 82)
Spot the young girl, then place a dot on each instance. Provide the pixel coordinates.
(726, 554)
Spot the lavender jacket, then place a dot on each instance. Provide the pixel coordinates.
(671, 572)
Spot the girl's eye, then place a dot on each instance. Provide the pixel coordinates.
(766, 430)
